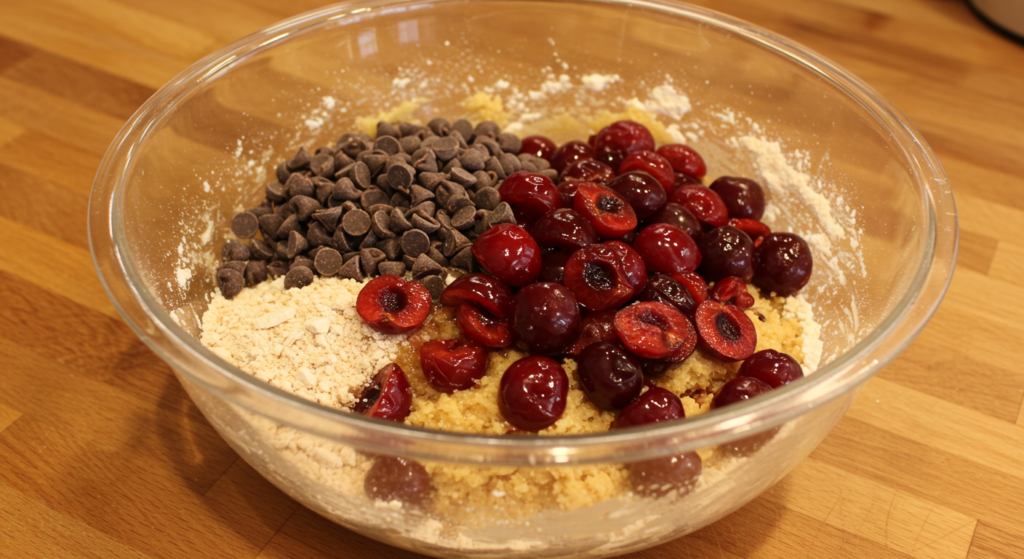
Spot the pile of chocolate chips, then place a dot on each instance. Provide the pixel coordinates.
(413, 199)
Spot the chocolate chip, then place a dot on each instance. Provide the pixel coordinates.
(502, 214)
(345, 190)
(510, 163)
(439, 126)
(370, 258)
(324, 190)
(373, 196)
(370, 240)
(453, 164)
(317, 236)
(392, 248)
(410, 144)
(463, 259)
(282, 172)
(442, 193)
(376, 160)
(408, 128)
(352, 269)
(435, 286)
(400, 200)
(260, 250)
(328, 262)
(290, 225)
(230, 282)
(391, 269)
(329, 218)
(425, 266)
(245, 225)
(463, 127)
(387, 144)
(487, 198)
(510, 143)
(445, 148)
(342, 242)
(284, 210)
(400, 176)
(301, 261)
(322, 165)
(360, 175)
(456, 203)
(298, 277)
(431, 180)
(269, 224)
(487, 128)
(236, 265)
(528, 166)
(255, 272)
(378, 207)
(234, 250)
(300, 185)
(488, 143)
(304, 207)
(459, 138)
(420, 195)
(485, 179)
(297, 244)
(408, 261)
(276, 192)
(436, 256)
(426, 162)
(398, 223)
(442, 217)
(415, 242)
(463, 177)
(300, 161)
(387, 129)
(464, 218)
(311, 254)
(473, 159)
(341, 161)
(356, 222)
(494, 165)
(381, 224)
(426, 224)
(277, 268)
(354, 146)
(324, 149)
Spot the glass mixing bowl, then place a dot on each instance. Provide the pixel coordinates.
(842, 166)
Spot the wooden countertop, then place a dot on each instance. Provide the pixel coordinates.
(928, 463)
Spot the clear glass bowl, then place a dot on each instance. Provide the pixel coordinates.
(843, 167)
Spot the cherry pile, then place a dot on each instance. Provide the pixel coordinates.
(609, 266)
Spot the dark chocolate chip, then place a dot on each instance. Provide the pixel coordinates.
(378, 207)
(488, 143)
(341, 160)
(299, 185)
(304, 207)
(392, 248)
(322, 165)
(345, 190)
(400, 176)
(439, 126)
(276, 192)
(301, 261)
(329, 218)
(426, 162)
(473, 159)
(373, 196)
(311, 253)
(360, 175)
(502, 213)
(297, 244)
(391, 269)
(284, 210)
(425, 266)
(487, 198)
(234, 250)
(549, 173)
(354, 146)
(510, 143)
(300, 161)
(342, 242)
(485, 179)
(230, 282)
(324, 149)
(445, 148)
(399, 200)
(463, 127)
(431, 180)
(356, 222)
(425, 209)
(435, 286)
(459, 138)
(387, 129)
(255, 272)
(352, 269)
(282, 172)
(408, 261)
(408, 128)
(328, 262)
(370, 258)
(443, 218)
(424, 223)
(291, 224)
(375, 161)
(350, 255)
(510, 163)
(463, 259)
(487, 128)
(277, 268)
(456, 203)
(398, 223)
(463, 177)
(269, 224)
(260, 250)
(436, 256)
(381, 224)
(236, 265)
(453, 164)
(298, 277)
(410, 144)
(420, 195)
(324, 190)
(245, 225)
(415, 242)
(370, 240)
(318, 236)
(494, 165)
(464, 218)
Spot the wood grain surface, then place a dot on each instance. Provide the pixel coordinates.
(102, 454)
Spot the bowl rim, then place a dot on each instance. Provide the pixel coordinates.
(190, 359)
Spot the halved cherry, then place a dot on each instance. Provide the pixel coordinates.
(589, 170)
(632, 264)
(725, 331)
(564, 228)
(480, 289)
(652, 164)
(597, 327)
(508, 253)
(451, 365)
(597, 277)
(609, 213)
(652, 330)
(391, 305)
(388, 396)
(684, 159)
(666, 289)
(531, 195)
(666, 248)
(732, 290)
(705, 203)
(478, 326)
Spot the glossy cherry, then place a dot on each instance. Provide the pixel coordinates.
(391, 305)
(703, 202)
(684, 159)
(674, 214)
(388, 396)
(743, 197)
(663, 288)
(478, 326)
(508, 253)
(588, 170)
(481, 290)
(597, 276)
(596, 327)
(564, 228)
(570, 152)
(545, 317)
(725, 331)
(666, 248)
(653, 330)
(652, 164)
(643, 192)
(608, 211)
(726, 251)
(772, 367)
(533, 393)
(541, 146)
(617, 140)
(393, 478)
(740, 389)
(732, 290)
(654, 406)
(553, 266)
(530, 195)
(632, 264)
(610, 376)
(784, 264)
(452, 365)
(666, 476)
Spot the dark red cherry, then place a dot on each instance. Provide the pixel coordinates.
(654, 406)
(744, 198)
(772, 367)
(740, 389)
(597, 327)
(545, 317)
(703, 202)
(654, 330)
(392, 305)
(732, 290)
(564, 228)
(643, 192)
(608, 211)
(617, 140)
(725, 331)
(632, 264)
(508, 253)
(665, 248)
(664, 289)
(531, 195)
(567, 189)
(388, 396)
(609, 375)
(553, 266)
(597, 276)
(393, 478)
(684, 159)
(588, 170)
(754, 229)
(784, 264)
(478, 326)
(679, 216)
(452, 365)
(541, 146)
(652, 164)
(533, 393)
(481, 290)
(726, 251)
(667, 475)
(683, 179)
(570, 152)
